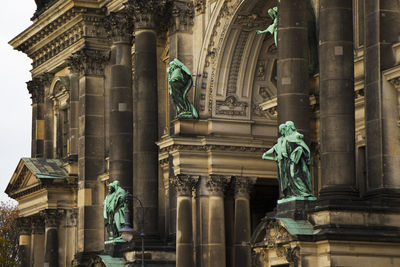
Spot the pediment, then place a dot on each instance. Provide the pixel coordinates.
(32, 174)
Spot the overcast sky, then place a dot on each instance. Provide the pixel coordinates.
(15, 103)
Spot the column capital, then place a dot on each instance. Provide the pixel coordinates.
(38, 224)
(184, 184)
(243, 186)
(216, 184)
(51, 217)
(119, 26)
(36, 90)
(24, 225)
(182, 16)
(146, 12)
(88, 62)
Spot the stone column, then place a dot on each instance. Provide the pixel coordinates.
(48, 152)
(337, 99)
(242, 221)
(36, 90)
(216, 220)
(24, 226)
(120, 27)
(89, 65)
(38, 241)
(382, 27)
(74, 115)
(51, 237)
(293, 90)
(184, 225)
(145, 181)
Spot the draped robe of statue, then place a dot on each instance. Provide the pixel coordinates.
(293, 158)
(180, 82)
(296, 167)
(114, 210)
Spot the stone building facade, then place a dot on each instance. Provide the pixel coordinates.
(101, 112)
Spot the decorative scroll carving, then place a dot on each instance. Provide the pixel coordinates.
(182, 16)
(200, 6)
(146, 12)
(88, 62)
(216, 184)
(231, 107)
(119, 26)
(243, 186)
(184, 184)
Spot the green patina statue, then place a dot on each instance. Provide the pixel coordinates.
(273, 28)
(180, 82)
(311, 34)
(114, 210)
(293, 158)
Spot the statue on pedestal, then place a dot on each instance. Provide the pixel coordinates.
(114, 210)
(180, 82)
(293, 158)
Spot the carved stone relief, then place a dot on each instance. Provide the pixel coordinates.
(232, 107)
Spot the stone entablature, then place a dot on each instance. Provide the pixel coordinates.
(76, 24)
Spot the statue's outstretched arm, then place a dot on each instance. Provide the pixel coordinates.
(268, 152)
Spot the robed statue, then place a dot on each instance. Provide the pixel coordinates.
(180, 82)
(293, 158)
(114, 210)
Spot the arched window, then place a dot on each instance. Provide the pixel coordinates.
(60, 96)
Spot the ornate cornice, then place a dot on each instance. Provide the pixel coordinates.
(119, 26)
(146, 13)
(184, 184)
(217, 184)
(200, 6)
(182, 16)
(88, 62)
(208, 148)
(72, 27)
(243, 186)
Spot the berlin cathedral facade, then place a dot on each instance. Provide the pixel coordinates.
(101, 112)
